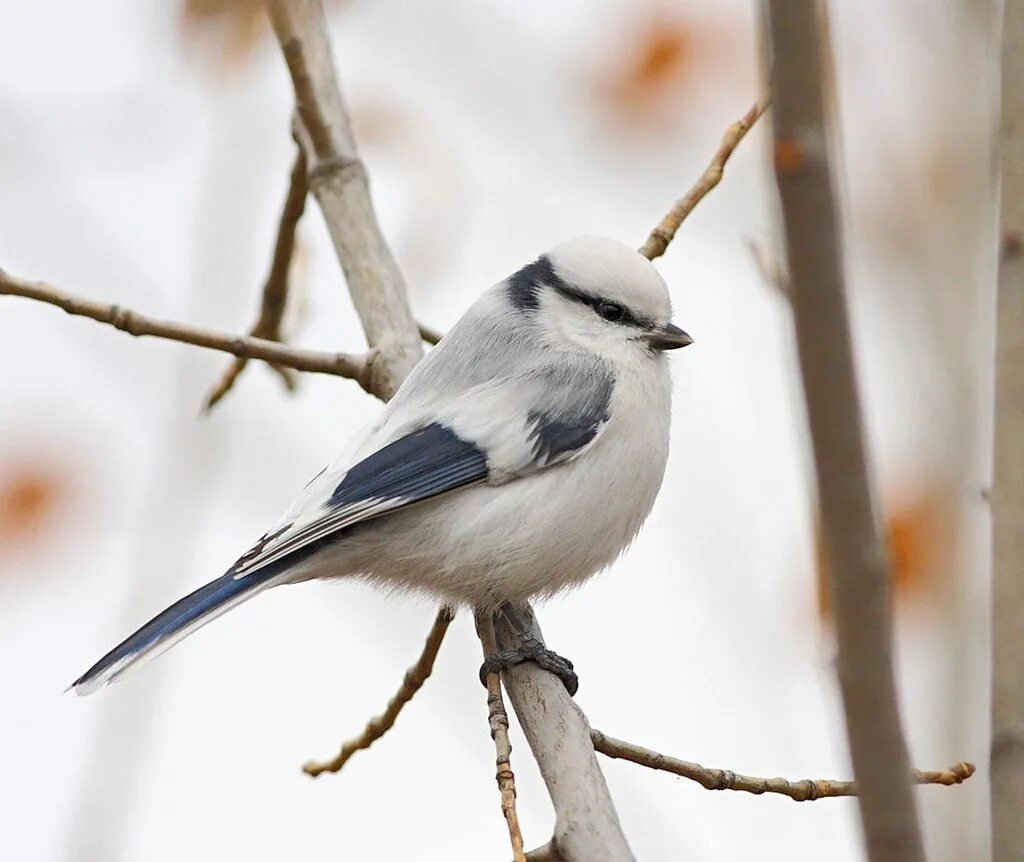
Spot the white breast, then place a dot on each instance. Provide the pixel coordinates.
(537, 535)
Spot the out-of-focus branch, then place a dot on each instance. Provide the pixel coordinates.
(655, 245)
(497, 720)
(586, 824)
(353, 366)
(338, 180)
(411, 683)
(275, 288)
(855, 555)
(769, 268)
(803, 790)
(1007, 747)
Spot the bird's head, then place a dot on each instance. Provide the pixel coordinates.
(599, 295)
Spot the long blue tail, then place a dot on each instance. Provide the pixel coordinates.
(177, 622)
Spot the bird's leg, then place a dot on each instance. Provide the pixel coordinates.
(529, 649)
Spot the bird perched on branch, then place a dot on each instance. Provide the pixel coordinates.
(520, 457)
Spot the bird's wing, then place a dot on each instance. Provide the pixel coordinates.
(492, 433)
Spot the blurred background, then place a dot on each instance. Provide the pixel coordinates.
(144, 156)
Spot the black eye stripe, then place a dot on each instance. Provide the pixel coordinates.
(627, 317)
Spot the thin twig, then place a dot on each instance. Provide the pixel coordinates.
(275, 288)
(858, 572)
(497, 718)
(429, 334)
(804, 790)
(546, 853)
(587, 825)
(353, 366)
(769, 268)
(412, 682)
(665, 230)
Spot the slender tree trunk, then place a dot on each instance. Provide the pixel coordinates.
(857, 567)
(1007, 754)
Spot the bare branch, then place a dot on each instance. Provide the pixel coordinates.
(497, 719)
(769, 268)
(665, 231)
(353, 366)
(429, 334)
(1007, 745)
(804, 790)
(275, 288)
(338, 180)
(411, 683)
(586, 823)
(547, 853)
(855, 555)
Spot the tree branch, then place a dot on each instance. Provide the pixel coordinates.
(857, 568)
(275, 288)
(338, 181)
(586, 823)
(546, 853)
(804, 790)
(429, 334)
(584, 810)
(665, 231)
(353, 366)
(497, 719)
(1006, 774)
(411, 683)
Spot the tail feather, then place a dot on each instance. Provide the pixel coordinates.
(174, 624)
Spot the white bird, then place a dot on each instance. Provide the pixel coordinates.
(519, 458)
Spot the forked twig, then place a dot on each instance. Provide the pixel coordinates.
(275, 288)
(411, 683)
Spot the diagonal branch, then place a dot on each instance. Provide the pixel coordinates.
(1006, 764)
(858, 573)
(429, 334)
(353, 366)
(275, 288)
(804, 790)
(665, 231)
(413, 681)
(338, 180)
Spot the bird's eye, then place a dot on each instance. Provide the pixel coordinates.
(611, 311)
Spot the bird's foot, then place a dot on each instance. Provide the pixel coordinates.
(531, 649)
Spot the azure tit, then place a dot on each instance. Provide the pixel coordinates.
(519, 458)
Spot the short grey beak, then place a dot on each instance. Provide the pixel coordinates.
(669, 338)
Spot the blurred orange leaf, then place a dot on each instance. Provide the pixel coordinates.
(237, 25)
(29, 496)
(657, 61)
(920, 539)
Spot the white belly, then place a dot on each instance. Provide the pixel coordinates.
(536, 535)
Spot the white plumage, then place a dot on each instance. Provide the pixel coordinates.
(519, 458)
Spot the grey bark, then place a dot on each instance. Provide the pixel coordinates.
(857, 567)
(1007, 751)
(587, 827)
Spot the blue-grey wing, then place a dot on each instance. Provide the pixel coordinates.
(492, 433)
(428, 461)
